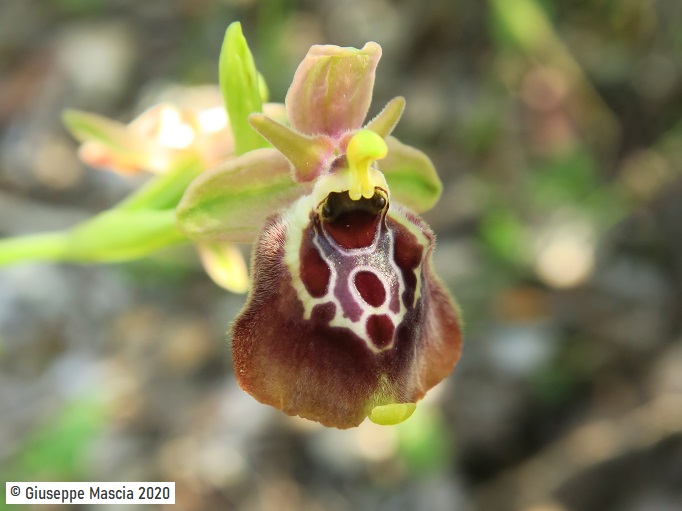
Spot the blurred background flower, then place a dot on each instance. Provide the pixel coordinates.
(187, 132)
(556, 130)
(196, 122)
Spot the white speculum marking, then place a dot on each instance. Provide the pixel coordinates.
(344, 264)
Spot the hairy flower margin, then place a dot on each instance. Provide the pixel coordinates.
(345, 318)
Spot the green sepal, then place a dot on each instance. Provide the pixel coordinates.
(239, 83)
(411, 177)
(230, 202)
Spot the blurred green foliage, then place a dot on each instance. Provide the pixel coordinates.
(57, 449)
(424, 442)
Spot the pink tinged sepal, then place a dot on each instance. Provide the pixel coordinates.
(345, 313)
(332, 89)
(230, 202)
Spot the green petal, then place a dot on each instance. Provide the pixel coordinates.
(225, 265)
(230, 202)
(241, 88)
(411, 177)
(332, 89)
(308, 155)
(387, 119)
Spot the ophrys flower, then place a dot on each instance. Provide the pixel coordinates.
(345, 318)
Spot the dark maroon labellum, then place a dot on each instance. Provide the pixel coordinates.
(345, 313)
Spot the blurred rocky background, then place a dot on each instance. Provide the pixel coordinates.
(557, 130)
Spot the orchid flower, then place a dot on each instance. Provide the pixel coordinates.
(345, 318)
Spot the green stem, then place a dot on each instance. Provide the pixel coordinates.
(140, 224)
(120, 235)
(114, 235)
(164, 191)
(33, 247)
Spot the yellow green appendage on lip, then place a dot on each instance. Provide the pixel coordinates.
(390, 415)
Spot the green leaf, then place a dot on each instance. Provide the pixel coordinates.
(411, 177)
(239, 83)
(230, 202)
